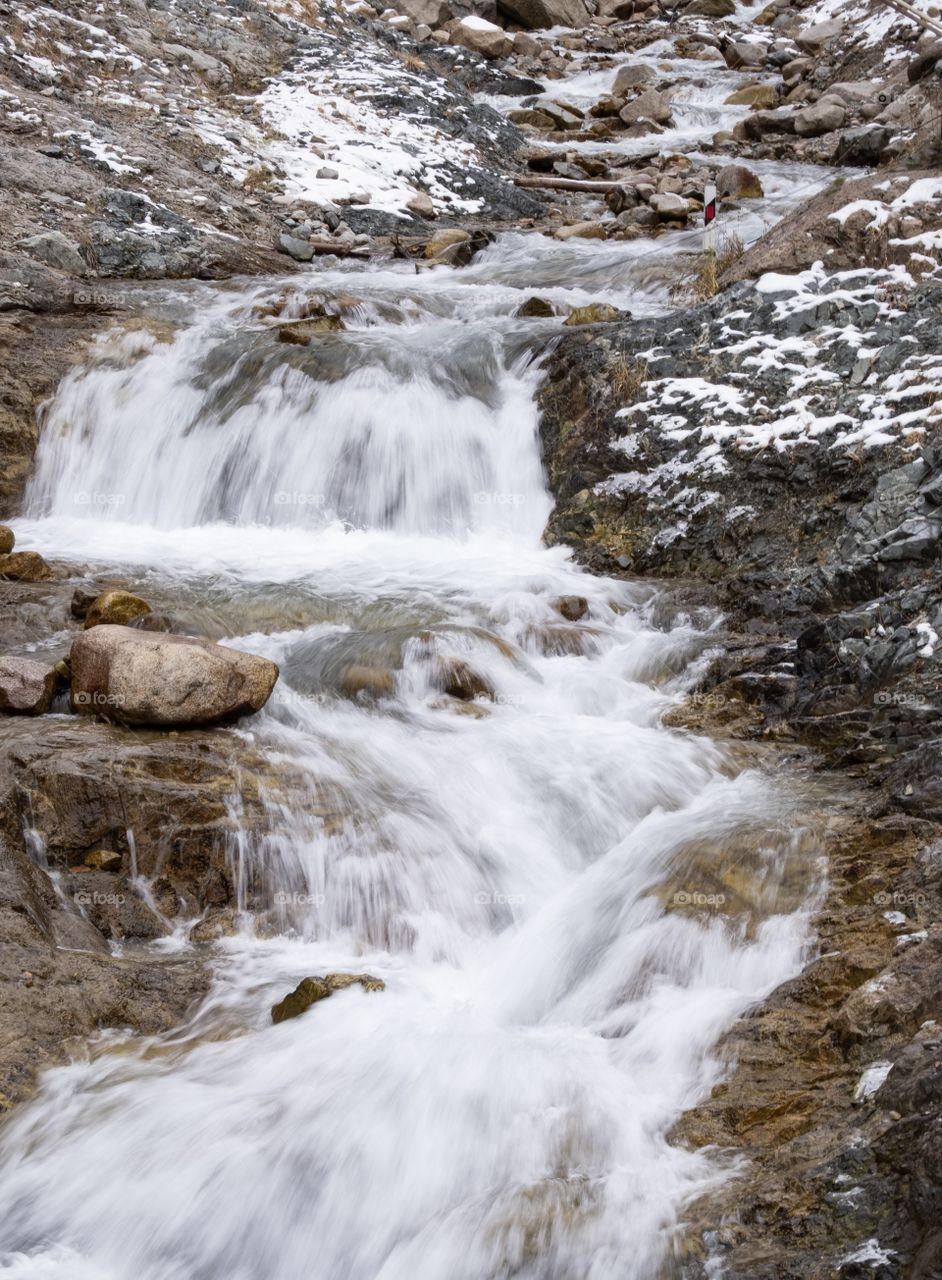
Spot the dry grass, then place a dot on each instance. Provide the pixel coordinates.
(700, 281)
(412, 62)
(627, 379)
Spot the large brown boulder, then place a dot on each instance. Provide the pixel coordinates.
(148, 678)
(539, 14)
(24, 566)
(482, 36)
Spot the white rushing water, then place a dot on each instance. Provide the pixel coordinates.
(568, 902)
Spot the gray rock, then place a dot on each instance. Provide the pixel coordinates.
(813, 39)
(649, 105)
(631, 77)
(300, 250)
(822, 117)
(326, 173)
(669, 207)
(55, 249)
(26, 686)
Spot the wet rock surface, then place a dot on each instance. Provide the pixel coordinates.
(779, 445)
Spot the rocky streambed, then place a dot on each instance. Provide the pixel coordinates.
(624, 793)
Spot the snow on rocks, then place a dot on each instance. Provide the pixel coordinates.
(794, 375)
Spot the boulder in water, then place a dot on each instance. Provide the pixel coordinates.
(761, 96)
(145, 678)
(372, 682)
(26, 686)
(738, 181)
(310, 990)
(649, 105)
(7, 540)
(300, 332)
(572, 608)
(633, 76)
(116, 608)
(581, 231)
(535, 308)
(459, 680)
(594, 313)
(25, 566)
(444, 239)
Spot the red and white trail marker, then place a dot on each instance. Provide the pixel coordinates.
(709, 217)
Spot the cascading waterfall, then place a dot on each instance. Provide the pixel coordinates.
(545, 885)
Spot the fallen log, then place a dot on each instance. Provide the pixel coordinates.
(341, 250)
(566, 184)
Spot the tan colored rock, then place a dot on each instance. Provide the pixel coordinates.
(26, 686)
(7, 540)
(737, 180)
(444, 239)
(374, 682)
(594, 313)
(25, 566)
(103, 860)
(535, 308)
(311, 990)
(421, 205)
(116, 608)
(307, 992)
(649, 105)
(813, 39)
(743, 54)
(301, 332)
(572, 608)
(581, 231)
(145, 678)
(761, 96)
(822, 117)
(483, 37)
(538, 14)
(631, 77)
(669, 206)
(459, 680)
(526, 46)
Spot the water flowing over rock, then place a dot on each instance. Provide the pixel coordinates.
(470, 589)
(310, 990)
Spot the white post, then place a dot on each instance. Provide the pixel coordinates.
(709, 217)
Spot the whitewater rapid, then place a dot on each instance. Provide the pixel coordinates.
(568, 901)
